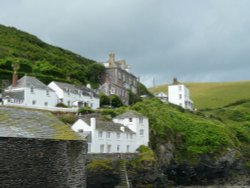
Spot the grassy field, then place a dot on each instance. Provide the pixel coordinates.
(214, 94)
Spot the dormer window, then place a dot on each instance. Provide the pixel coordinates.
(32, 89)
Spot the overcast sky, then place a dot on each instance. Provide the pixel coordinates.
(193, 40)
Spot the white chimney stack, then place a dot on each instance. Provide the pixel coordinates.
(88, 86)
(122, 129)
(93, 123)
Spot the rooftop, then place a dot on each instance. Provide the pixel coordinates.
(130, 114)
(17, 122)
(29, 81)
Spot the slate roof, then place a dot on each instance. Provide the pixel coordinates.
(16, 122)
(29, 81)
(74, 89)
(130, 114)
(17, 94)
(66, 86)
(109, 126)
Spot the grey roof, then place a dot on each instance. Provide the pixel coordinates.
(29, 81)
(67, 87)
(108, 126)
(17, 122)
(111, 126)
(74, 89)
(130, 114)
(16, 94)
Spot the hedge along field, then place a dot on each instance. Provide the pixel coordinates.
(214, 94)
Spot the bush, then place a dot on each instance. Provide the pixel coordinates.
(86, 110)
(61, 105)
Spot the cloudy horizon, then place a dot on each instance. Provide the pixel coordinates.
(195, 41)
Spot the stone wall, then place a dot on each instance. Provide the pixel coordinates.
(112, 156)
(42, 163)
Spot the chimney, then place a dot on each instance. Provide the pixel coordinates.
(122, 128)
(15, 75)
(111, 59)
(93, 123)
(175, 81)
(88, 86)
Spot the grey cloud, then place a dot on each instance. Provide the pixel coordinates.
(193, 40)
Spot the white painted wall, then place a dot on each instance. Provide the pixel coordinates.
(109, 143)
(69, 98)
(37, 98)
(179, 95)
(40, 97)
(137, 125)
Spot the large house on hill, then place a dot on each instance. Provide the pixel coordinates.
(122, 135)
(29, 91)
(118, 79)
(178, 94)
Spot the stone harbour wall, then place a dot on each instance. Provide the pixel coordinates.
(36, 163)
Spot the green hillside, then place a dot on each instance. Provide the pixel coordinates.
(42, 60)
(214, 94)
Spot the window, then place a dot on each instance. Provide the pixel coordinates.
(33, 102)
(32, 89)
(118, 148)
(47, 92)
(127, 136)
(109, 148)
(179, 88)
(102, 148)
(68, 103)
(46, 104)
(100, 134)
(141, 121)
(80, 130)
(130, 120)
(141, 132)
(108, 135)
(118, 135)
(180, 96)
(127, 148)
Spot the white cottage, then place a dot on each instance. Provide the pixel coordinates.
(162, 96)
(178, 94)
(124, 135)
(29, 91)
(71, 95)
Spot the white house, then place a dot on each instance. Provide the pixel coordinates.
(122, 135)
(178, 94)
(71, 95)
(29, 91)
(162, 96)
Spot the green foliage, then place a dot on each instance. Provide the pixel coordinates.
(102, 173)
(43, 60)
(192, 134)
(86, 110)
(61, 105)
(67, 118)
(145, 160)
(142, 90)
(112, 101)
(133, 98)
(115, 101)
